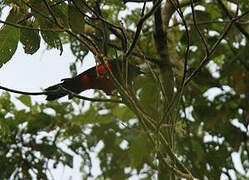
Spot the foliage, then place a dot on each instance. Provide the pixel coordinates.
(183, 119)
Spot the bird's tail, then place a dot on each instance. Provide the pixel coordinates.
(57, 92)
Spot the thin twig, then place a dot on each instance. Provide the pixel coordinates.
(171, 153)
(24, 92)
(206, 58)
(154, 60)
(124, 41)
(71, 93)
(105, 39)
(140, 25)
(147, 59)
(52, 14)
(197, 28)
(237, 25)
(37, 11)
(242, 15)
(179, 11)
(206, 23)
(85, 40)
(177, 171)
(131, 99)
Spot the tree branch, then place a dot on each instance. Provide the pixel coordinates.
(179, 11)
(30, 28)
(123, 38)
(172, 155)
(197, 28)
(52, 14)
(24, 92)
(36, 11)
(55, 91)
(136, 1)
(139, 27)
(206, 22)
(72, 94)
(206, 58)
(237, 25)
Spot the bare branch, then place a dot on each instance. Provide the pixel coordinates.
(206, 58)
(131, 99)
(54, 91)
(113, 26)
(207, 22)
(139, 54)
(140, 25)
(172, 155)
(179, 11)
(242, 15)
(237, 25)
(24, 92)
(197, 28)
(72, 94)
(222, 36)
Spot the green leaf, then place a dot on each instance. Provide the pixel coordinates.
(50, 37)
(9, 37)
(199, 152)
(5, 104)
(60, 13)
(123, 113)
(46, 149)
(68, 159)
(149, 94)
(91, 116)
(78, 49)
(39, 122)
(76, 19)
(139, 151)
(26, 100)
(30, 40)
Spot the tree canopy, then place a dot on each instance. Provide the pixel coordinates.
(183, 119)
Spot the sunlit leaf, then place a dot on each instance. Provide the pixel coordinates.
(76, 18)
(30, 40)
(26, 100)
(9, 37)
(123, 113)
(50, 37)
